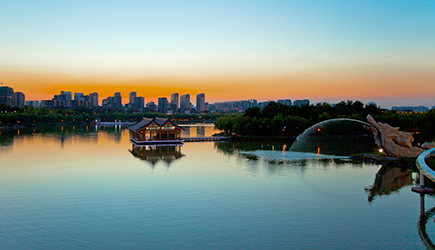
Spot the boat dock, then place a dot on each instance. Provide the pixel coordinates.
(210, 138)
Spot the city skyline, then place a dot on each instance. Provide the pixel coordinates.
(134, 101)
(369, 51)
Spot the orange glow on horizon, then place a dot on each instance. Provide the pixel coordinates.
(338, 84)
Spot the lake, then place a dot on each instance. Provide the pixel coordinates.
(87, 187)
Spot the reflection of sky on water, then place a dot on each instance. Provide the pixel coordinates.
(426, 223)
(198, 130)
(93, 189)
(289, 155)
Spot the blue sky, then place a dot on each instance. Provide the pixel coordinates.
(135, 40)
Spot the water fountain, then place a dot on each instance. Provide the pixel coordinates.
(340, 136)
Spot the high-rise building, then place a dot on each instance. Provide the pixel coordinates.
(151, 106)
(175, 101)
(7, 95)
(113, 102)
(93, 99)
(60, 97)
(139, 102)
(78, 97)
(67, 94)
(131, 97)
(185, 103)
(162, 104)
(118, 100)
(200, 103)
(19, 99)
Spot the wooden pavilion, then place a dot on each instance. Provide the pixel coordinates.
(155, 131)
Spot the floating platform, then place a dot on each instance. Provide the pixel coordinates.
(157, 142)
(188, 139)
(211, 138)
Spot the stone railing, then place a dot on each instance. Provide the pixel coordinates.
(423, 167)
(425, 170)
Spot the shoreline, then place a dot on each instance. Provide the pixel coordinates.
(405, 162)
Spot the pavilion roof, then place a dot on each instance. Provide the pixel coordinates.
(147, 121)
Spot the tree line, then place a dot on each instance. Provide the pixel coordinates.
(273, 120)
(29, 115)
(278, 120)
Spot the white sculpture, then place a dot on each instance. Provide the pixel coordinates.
(394, 142)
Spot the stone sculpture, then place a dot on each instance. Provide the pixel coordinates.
(394, 142)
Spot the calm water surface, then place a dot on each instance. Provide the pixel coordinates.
(89, 188)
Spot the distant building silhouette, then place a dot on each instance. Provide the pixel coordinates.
(175, 102)
(61, 97)
(67, 94)
(64, 101)
(139, 102)
(185, 103)
(118, 100)
(47, 103)
(93, 99)
(34, 104)
(135, 102)
(162, 104)
(151, 106)
(286, 102)
(79, 97)
(200, 103)
(410, 109)
(300, 103)
(261, 105)
(19, 99)
(114, 102)
(233, 106)
(131, 97)
(6, 95)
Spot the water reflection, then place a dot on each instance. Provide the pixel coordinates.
(64, 134)
(425, 217)
(95, 192)
(200, 131)
(234, 147)
(343, 146)
(114, 132)
(388, 180)
(6, 140)
(185, 132)
(276, 159)
(155, 154)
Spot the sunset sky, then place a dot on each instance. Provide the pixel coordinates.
(381, 51)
